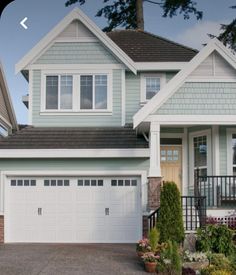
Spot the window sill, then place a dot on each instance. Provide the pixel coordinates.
(76, 113)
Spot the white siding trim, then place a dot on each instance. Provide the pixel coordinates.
(74, 67)
(123, 97)
(193, 119)
(185, 162)
(215, 150)
(30, 98)
(74, 153)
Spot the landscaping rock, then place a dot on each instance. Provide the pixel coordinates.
(190, 242)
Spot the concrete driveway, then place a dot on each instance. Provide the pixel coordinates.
(69, 259)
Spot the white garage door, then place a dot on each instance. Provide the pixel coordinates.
(79, 210)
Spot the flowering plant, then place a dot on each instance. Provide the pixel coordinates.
(195, 257)
(143, 245)
(150, 257)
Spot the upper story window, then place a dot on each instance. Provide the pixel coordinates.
(151, 85)
(93, 92)
(59, 92)
(77, 92)
(3, 131)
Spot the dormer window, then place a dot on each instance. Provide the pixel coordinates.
(151, 85)
(58, 92)
(77, 92)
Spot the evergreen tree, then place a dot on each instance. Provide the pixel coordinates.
(170, 221)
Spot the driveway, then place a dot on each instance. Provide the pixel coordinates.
(69, 259)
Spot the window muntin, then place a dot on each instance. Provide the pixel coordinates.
(200, 154)
(77, 92)
(93, 92)
(23, 182)
(153, 85)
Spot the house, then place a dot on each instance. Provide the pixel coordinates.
(8, 122)
(111, 116)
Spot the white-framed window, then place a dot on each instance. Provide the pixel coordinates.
(231, 151)
(151, 85)
(76, 92)
(59, 92)
(200, 154)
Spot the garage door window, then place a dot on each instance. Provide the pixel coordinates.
(90, 182)
(23, 182)
(60, 182)
(119, 182)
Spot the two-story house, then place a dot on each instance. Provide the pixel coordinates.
(110, 116)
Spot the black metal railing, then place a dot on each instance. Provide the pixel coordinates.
(194, 212)
(153, 218)
(218, 190)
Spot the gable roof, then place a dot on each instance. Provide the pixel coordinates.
(142, 46)
(8, 118)
(75, 14)
(177, 81)
(74, 138)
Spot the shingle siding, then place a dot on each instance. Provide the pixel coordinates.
(77, 53)
(201, 99)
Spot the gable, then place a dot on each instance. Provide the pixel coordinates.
(76, 30)
(214, 66)
(196, 98)
(77, 53)
(76, 26)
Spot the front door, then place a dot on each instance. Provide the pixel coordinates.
(171, 164)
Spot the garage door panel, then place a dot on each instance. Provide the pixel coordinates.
(98, 212)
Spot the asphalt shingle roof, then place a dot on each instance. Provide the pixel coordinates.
(74, 138)
(142, 46)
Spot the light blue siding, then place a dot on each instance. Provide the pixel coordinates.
(77, 53)
(201, 99)
(133, 92)
(113, 119)
(75, 164)
(132, 95)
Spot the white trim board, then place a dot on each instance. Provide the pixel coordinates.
(75, 14)
(177, 81)
(74, 153)
(193, 119)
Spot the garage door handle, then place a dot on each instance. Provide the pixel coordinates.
(39, 211)
(107, 211)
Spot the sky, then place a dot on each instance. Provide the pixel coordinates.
(43, 15)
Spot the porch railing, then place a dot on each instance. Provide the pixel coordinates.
(219, 190)
(194, 213)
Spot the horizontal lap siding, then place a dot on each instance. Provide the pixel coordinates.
(77, 53)
(201, 99)
(77, 120)
(75, 164)
(3, 107)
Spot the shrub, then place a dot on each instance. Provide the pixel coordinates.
(170, 261)
(154, 237)
(170, 222)
(215, 239)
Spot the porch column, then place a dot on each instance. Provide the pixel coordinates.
(154, 176)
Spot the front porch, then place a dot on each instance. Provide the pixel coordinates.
(201, 159)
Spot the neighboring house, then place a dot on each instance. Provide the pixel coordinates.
(112, 115)
(8, 122)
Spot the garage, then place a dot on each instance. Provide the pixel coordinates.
(73, 209)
